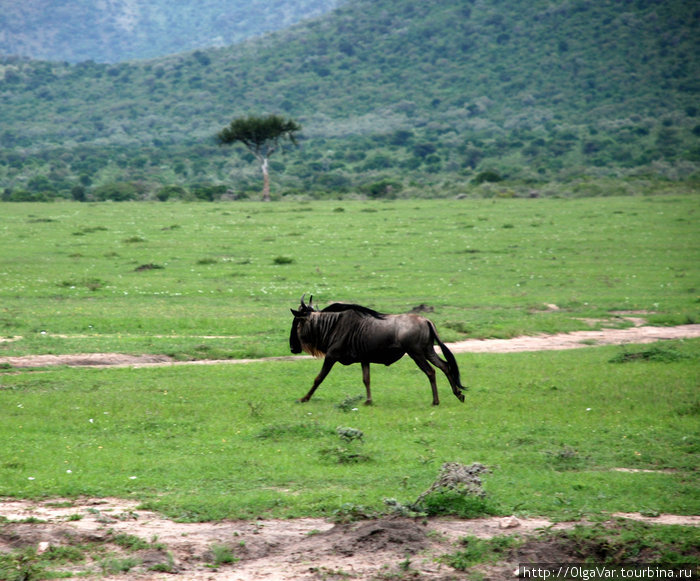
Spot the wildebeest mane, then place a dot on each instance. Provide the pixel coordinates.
(359, 309)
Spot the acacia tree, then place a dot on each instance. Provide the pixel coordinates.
(262, 136)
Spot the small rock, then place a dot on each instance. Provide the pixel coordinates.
(509, 522)
(43, 547)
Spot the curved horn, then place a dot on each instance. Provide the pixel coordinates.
(302, 300)
(311, 300)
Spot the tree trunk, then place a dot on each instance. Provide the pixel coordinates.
(266, 181)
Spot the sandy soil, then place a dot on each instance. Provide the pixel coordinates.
(578, 339)
(278, 550)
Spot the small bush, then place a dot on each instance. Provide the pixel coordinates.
(167, 192)
(350, 512)
(478, 550)
(454, 503)
(222, 555)
(386, 189)
(21, 566)
(566, 459)
(489, 175)
(116, 566)
(344, 455)
(92, 284)
(301, 430)
(64, 554)
(134, 240)
(283, 260)
(657, 353)
(349, 403)
(456, 491)
(130, 542)
(116, 192)
(349, 434)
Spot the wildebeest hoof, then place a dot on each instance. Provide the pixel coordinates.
(460, 397)
(368, 402)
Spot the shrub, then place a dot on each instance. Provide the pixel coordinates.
(283, 260)
(116, 192)
(350, 512)
(455, 503)
(115, 566)
(656, 353)
(457, 491)
(167, 192)
(383, 189)
(487, 176)
(208, 193)
(349, 403)
(222, 555)
(476, 550)
(344, 455)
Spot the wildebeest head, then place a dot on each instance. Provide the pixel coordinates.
(300, 317)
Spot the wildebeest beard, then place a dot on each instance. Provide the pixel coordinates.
(314, 333)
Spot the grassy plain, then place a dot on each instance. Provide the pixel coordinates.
(165, 278)
(208, 442)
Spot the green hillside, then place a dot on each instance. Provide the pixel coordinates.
(432, 98)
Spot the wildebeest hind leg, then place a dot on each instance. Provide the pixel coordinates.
(430, 372)
(365, 380)
(327, 365)
(442, 366)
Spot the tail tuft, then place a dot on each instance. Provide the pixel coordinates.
(450, 359)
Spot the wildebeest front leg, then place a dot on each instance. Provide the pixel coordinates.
(327, 365)
(365, 380)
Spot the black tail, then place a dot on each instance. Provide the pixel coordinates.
(449, 358)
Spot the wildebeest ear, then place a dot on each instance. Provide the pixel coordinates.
(296, 313)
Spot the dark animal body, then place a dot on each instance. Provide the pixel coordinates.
(346, 334)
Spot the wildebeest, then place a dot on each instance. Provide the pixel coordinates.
(349, 334)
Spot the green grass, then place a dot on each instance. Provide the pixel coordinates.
(229, 441)
(475, 550)
(225, 441)
(605, 545)
(221, 290)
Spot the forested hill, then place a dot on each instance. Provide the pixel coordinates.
(121, 30)
(425, 95)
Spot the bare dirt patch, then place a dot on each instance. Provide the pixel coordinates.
(298, 549)
(578, 339)
(574, 340)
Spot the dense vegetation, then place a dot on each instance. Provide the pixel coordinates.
(121, 30)
(396, 98)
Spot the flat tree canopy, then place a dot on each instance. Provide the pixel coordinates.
(262, 136)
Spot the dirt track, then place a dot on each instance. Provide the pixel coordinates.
(575, 340)
(273, 550)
